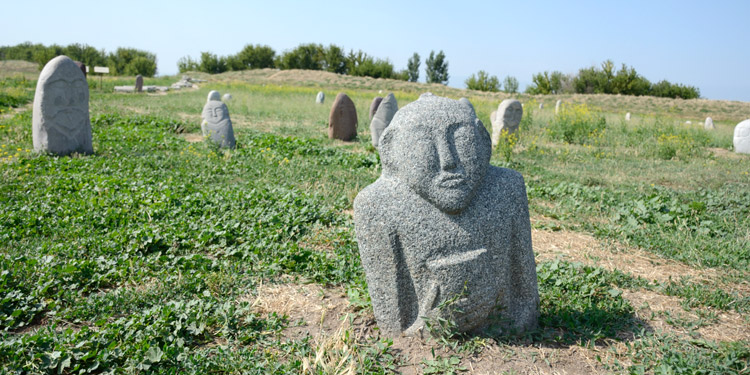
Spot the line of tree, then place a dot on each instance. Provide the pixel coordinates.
(124, 61)
(482, 81)
(311, 56)
(606, 80)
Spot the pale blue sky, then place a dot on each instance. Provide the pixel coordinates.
(700, 43)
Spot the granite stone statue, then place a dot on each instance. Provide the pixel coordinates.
(61, 123)
(374, 106)
(442, 233)
(386, 110)
(320, 98)
(342, 122)
(139, 83)
(217, 125)
(508, 118)
(709, 124)
(742, 137)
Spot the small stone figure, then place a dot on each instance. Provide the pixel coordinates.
(374, 106)
(742, 137)
(557, 106)
(442, 233)
(227, 97)
(709, 124)
(139, 83)
(508, 118)
(320, 98)
(541, 105)
(342, 122)
(387, 108)
(216, 122)
(627, 116)
(61, 123)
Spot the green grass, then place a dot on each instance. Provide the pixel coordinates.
(137, 258)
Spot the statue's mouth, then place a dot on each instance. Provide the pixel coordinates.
(451, 180)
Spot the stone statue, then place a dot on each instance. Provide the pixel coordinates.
(61, 123)
(709, 124)
(442, 233)
(320, 98)
(342, 121)
(741, 138)
(382, 118)
(139, 83)
(508, 118)
(374, 106)
(216, 122)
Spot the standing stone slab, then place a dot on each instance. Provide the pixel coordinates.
(493, 119)
(742, 137)
(320, 98)
(541, 105)
(227, 97)
(374, 106)
(557, 106)
(382, 118)
(342, 122)
(508, 118)
(216, 122)
(627, 116)
(441, 224)
(139, 83)
(61, 123)
(709, 124)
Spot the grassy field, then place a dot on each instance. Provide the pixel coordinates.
(162, 254)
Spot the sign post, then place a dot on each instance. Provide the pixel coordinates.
(101, 70)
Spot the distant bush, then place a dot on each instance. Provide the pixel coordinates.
(124, 61)
(305, 56)
(483, 82)
(510, 85)
(412, 67)
(212, 64)
(252, 57)
(606, 80)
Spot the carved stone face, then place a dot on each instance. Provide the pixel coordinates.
(215, 113)
(440, 150)
(742, 137)
(513, 114)
(65, 106)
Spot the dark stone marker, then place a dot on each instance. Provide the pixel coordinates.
(82, 66)
(374, 106)
(342, 123)
(139, 83)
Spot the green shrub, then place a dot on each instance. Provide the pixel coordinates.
(483, 82)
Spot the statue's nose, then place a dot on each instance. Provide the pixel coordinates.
(448, 161)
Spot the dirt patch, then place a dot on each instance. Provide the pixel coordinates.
(334, 326)
(192, 137)
(666, 314)
(580, 247)
(724, 153)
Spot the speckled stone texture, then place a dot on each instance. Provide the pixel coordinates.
(342, 122)
(441, 224)
(374, 106)
(742, 137)
(216, 123)
(61, 123)
(709, 124)
(139, 83)
(320, 98)
(508, 118)
(383, 116)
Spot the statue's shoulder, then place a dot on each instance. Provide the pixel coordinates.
(376, 197)
(505, 177)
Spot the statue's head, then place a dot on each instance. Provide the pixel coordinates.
(438, 148)
(214, 96)
(65, 101)
(215, 112)
(512, 111)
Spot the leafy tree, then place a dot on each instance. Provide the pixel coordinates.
(360, 64)
(187, 64)
(334, 59)
(132, 61)
(541, 84)
(413, 67)
(212, 64)
(436, 68)
(252, 57)
(304, 56)
(483, 82)
(510, 84)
